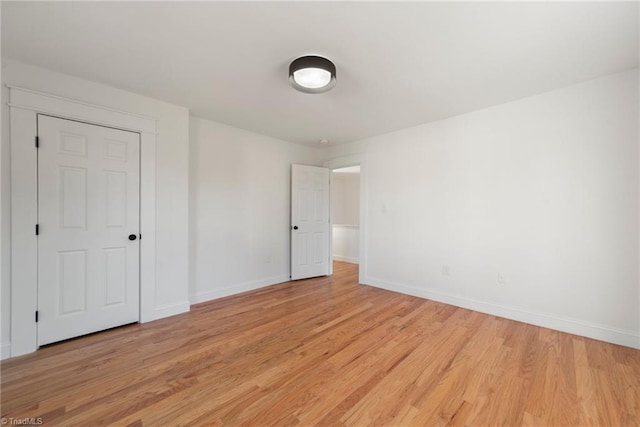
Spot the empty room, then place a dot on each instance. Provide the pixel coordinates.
(320, 213)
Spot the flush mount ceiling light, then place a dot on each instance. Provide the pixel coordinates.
(312, 74)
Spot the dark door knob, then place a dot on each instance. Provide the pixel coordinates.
(295, 227)
(132, 237)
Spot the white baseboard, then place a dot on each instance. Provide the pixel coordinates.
(351, 260)
(545, 320)
(5, 350)
(167, 310)
(236, 289)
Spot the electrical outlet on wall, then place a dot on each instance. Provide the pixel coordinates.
(502, 280)
(267, 259)
(445, 270)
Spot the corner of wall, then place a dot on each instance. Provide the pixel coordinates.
(167, 310)
(5, 350)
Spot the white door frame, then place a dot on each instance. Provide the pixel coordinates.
(343, 162)
(24, 106)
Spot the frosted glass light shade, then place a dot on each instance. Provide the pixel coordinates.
(312, 74)
(312, 78)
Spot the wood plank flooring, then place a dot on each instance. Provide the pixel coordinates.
(326, 351)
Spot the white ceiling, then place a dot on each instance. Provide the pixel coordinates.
(399, 64)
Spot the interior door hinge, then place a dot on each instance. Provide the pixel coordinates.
(37, 229)
(36, 316)
(37, 142)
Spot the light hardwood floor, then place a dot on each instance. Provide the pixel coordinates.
(326, 351)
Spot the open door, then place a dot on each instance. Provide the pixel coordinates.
(309, 221)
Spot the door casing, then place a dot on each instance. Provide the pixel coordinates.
(24, 106)
(343, 162)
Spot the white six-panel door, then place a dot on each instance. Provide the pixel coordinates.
(309, 221)
(88, 209)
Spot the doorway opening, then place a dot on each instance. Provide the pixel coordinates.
(345, 214)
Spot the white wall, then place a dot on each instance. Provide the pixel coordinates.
(239, 208)
(346, 241)
(345, 198)
(345, 216)
(172, 163)
(5, 225)
(531, 206)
